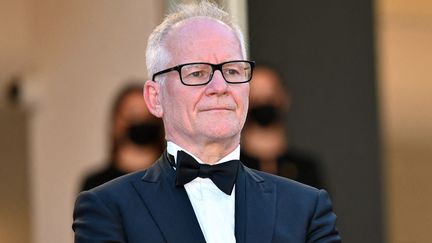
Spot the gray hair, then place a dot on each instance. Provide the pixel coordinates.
(158, 57)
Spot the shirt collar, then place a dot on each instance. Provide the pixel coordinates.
(173, 148)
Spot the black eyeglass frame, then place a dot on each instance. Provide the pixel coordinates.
(214, 68)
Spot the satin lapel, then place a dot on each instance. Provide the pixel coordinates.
(169, 205)
(255, 209)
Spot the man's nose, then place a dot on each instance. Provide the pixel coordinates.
(217, 84)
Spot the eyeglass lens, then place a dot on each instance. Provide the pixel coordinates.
(234, 72)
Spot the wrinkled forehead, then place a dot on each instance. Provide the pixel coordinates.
(197, 32)
(198, 24)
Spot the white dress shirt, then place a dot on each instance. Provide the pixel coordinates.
(213, 208)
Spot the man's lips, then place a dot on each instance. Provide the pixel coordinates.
(217, 109)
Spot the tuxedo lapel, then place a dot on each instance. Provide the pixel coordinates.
(255, 208)
(169, 205)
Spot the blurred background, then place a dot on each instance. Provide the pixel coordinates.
(359, 73)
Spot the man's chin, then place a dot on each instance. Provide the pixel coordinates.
(222, 135)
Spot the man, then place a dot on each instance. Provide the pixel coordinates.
(200, 89)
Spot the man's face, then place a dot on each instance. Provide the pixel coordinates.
(212, 113)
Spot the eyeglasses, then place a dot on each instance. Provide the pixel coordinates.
(201, 73)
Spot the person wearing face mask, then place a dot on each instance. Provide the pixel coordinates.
(266, 145)
(136, 138)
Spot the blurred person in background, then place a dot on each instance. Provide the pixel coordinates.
(137, 138)
(265, 142)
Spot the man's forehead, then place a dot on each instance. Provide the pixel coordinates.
(201, 37)
(191, 27)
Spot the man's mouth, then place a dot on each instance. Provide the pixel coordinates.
(217, 109)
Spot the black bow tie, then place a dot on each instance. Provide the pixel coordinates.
(223, 175)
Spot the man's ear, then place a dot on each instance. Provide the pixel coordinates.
(152, 98)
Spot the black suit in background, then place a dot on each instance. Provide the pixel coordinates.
(293, 163)
(98, 178)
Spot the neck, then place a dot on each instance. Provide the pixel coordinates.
(264, 143)
(209, 153)
(212, 153)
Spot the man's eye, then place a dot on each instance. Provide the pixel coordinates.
(232, 72)
(196, 74)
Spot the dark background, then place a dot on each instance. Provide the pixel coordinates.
(325, 51)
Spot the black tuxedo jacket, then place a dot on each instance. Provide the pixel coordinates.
(146, 206)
